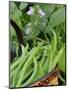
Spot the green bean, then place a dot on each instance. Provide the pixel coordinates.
(37, 57)
(42, 40)
(45, 66)
(33, 74)
(17, 76)
(50, 58)
(43, 59)
(12, 73)
(34, 52)
(40, 72)
(54, 42)
(19, 67)
(23, 73)
(53, 48)
(30, 63)
(58, 57)
(15, 64)
(28, 73)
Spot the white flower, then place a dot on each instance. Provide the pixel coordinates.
(27, 31)
(41, 12)
(31, 11)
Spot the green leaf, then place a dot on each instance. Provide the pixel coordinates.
(22, 6)
(48, 9)
(13, 38)
(13, 8)
(17, 18)
(57, 18)
(13, 35)
(15, 14)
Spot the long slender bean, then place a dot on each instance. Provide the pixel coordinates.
(19, 67)
(34, 52)
(15, 64)
(58, 57)
(40, 72)
(12, 73)
(53, 47)
(45, 66)
(28, 73)
(43, 59)
(50, 59)
(33, 75)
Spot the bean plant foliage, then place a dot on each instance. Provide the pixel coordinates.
(43, 30)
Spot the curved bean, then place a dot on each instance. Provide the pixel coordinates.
(30, 71)
(33, 74)
(24, 51)
(34, 52)
(19, 67)
(15, 64)
(57, 57)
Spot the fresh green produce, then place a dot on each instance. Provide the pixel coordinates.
(43, 28)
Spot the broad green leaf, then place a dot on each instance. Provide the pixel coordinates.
(17, 18)
(57, 18)
(13, 36)
(13, 8)
(22, 6)
(15, 14)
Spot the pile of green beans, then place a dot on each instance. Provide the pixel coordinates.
(34, 63)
